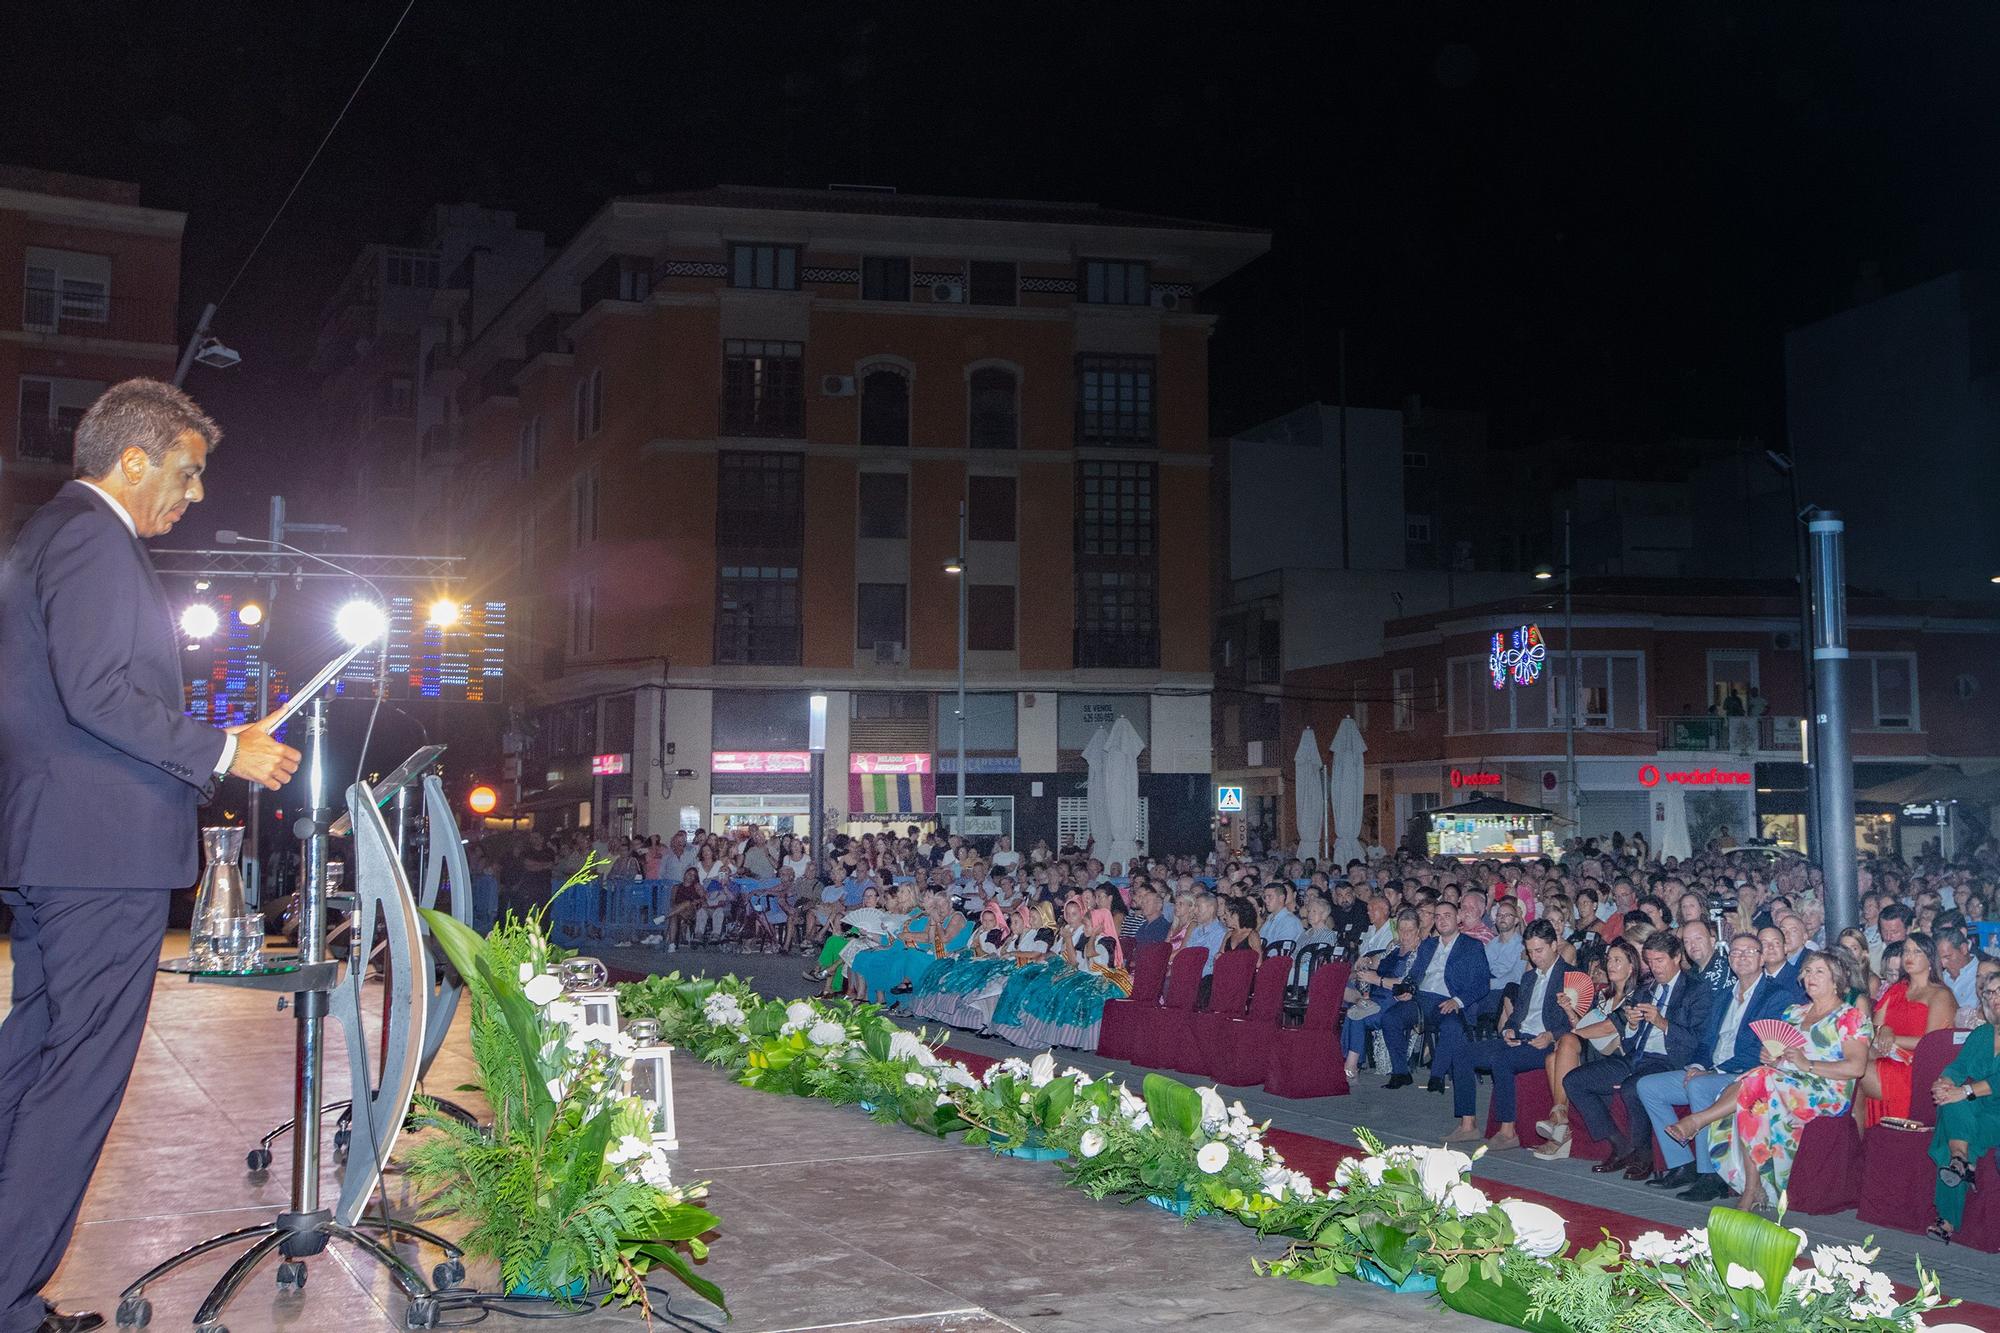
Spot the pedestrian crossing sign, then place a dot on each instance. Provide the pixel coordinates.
(1229, 800)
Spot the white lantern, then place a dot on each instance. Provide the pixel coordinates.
(651, 1080)
(599, 1006)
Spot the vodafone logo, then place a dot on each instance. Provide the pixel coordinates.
(1650, 776)
(1460, 778)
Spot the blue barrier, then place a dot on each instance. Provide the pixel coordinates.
(608, 913)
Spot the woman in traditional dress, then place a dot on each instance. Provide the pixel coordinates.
(1069, 1010)
(1753, 1148)
(879, 967)
(1968, 1124)
(1044, 958)
(938, 991)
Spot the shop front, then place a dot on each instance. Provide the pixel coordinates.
(1717, 793)
(887, 793)
(769, 788)
(1487, 828)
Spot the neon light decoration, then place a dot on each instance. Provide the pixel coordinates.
(1520, 661)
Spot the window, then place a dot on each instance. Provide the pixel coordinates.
(989, 618)
(989, 722)
(64, 287)
(50, 409)
(527, 536)
(1610, 695)
(763, 389)
(885, 408)
(410, 268)
(989, 509)
(587, 405)
(1417, 528)
(1114, 402)
(995, 408)
(885, 279)
(1117, 593)
(583, 618)
(1403, 699)
(760, 539)
(1073, 821)
(1115, 508)
(1357, 707)
(885, 505)
(583, 497)
(771, 267)
(531, 447)
(1882, 691)
(1115, 282)
(1415, 459)
(1116, 621)
(992, 282)
(879, 615)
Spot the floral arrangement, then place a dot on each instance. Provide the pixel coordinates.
(566, 1190)
(1405, 1216)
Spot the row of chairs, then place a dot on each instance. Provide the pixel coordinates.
(1241, 1037)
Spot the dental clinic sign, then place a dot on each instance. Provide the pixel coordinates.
(1651, 775)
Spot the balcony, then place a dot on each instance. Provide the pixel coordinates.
(45, 441)
(1724, 735)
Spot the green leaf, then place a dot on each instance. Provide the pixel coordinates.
(671, 1259)
(1056, 1100)
(684, 1223)
(1758, 1244)
(1173, 1105)
(1392, 1249)
(1502, 1302)
(467, 952)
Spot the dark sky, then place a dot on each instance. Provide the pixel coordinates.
(1590, 220)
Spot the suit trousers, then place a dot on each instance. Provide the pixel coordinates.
(1450, 1030)
(1661, 1093)
(1504, 1061)
(1590, 1088)
(83, 980)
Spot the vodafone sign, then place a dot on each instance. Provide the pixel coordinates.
(1651, 776)
(1460, 778)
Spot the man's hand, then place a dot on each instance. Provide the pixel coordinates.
(267, 762)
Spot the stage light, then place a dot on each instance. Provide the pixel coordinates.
(361, 621)
(199, 621)
(444, 613)
(482, 800)
(251, 614)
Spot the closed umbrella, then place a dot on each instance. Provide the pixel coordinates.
(1309, 796)
(1345, 792)
(1672, 827)
(1122, 831)
(1095, 808)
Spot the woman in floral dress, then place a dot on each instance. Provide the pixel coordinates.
(1753, 1148)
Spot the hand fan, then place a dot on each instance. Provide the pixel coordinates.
(1778, 1036)
(1582, 991)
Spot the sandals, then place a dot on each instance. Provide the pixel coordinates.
(1954, 1173)
(1679, 1135)
(1939, 1231)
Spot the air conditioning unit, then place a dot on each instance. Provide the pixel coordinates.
(1785, 640)
(888, 653)
(952, 293)
(1163, 300)
(836, 386)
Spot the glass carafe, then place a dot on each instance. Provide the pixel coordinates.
(222, 937)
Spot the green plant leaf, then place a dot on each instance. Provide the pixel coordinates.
(1056, 1100)
(1173, 1105)
(671, 1259)
(1758, 1244)
(468, 951)
(1502, 1302)
(684, 1223)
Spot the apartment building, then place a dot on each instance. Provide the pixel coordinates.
(721, 443)
(89, 282)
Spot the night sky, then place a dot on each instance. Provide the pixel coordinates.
(1591, 221)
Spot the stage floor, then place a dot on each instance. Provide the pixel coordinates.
(828, 1219)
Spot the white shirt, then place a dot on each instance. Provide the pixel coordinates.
(228, 741)
(1282, 926)
(1656, 1040)
(1732, 1020)
(1964, 986)
(1433, 982)
(1378, 938)
(1531, 1024)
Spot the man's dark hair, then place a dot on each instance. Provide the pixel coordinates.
(1898, 912)
(1664, 942)
(1955, 936)
(1540, 930)
(142, 414)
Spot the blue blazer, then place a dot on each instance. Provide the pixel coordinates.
(101, 772)
(1768, 999)
(1466, 976)
(1554, 1020)
(1687, 1020)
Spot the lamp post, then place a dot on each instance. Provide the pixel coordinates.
(1827, 532)
(1570, 689)
(957, 567)
(1808, 712)
(816, 794)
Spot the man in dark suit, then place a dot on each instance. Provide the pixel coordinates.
(101, 773)
(1662, 1031)
(1534, 1025)
(1450, 977)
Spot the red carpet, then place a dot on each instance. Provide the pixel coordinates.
(1319, 1157)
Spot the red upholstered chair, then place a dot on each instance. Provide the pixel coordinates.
(1306, 1060)
(1981, 1227)
(1228, 997)
(1826, 1173)
(1237, 1051)
(1167, 1025)
(1532, 1102)
(1896, 1169)
(1122, 1017)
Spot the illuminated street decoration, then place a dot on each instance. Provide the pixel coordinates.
(1520, 661)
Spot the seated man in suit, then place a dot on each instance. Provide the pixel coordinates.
(1729, 1048)
(1451, 979)
(1663, 1031)
(1526, 1034)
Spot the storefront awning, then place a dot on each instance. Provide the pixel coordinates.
(892, 793)
(1939, 782)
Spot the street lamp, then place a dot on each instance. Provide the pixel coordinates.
(956, 566)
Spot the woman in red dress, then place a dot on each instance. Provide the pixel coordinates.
(1918, 1004)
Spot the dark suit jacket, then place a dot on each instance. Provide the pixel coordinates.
(1687, 1021)
(1768, 999)
(1555, 1022)
(1467, 978)
(101, 771)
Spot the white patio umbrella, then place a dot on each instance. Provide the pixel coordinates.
(1113, 758)
(1344, 792)
(1309, 796)
(1671, 829)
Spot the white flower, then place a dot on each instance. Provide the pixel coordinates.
(657, 1172)
(1130, 1105)
(1439, 1172)
(527, 970)
(916, 1080)
(1742, 1278)
(1538, 1230)
(1254, 1150)
(1651, 1247)
(1364, 1170)
(957, 1075)
(1091, 1144)
(905, 1046)
(1012, 1067)
(799, 1012)
(1212, 1157)
(555, 1086)
(541, 988)
(826, 1033)
(1214, 1114)
(1468, 1200)
(1142, 1121)
(630, 1149)
(1042, 1070)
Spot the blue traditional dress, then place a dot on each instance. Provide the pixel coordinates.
(946, 981)
(882, 969)
(1006, 1011)
(1067, 1009)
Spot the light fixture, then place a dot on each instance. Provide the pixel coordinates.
(1544, 573)
(482, 799)
(952, 566)
(201, 585)
(650, 1078)
(199, 620)
(1994, 579)
(250, 614)
(361, 621)
(444, 613)
(216, 356)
